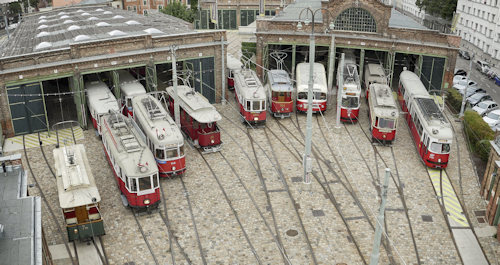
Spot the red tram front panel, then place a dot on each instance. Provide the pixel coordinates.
(383, 135)
(171, 167)
(317, 105)
(349, 115)
(282, 107)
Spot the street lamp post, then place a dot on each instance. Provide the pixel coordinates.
(462, 108)
(307, 160)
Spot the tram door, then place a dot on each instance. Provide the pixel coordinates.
(281, 96)
(81, 214)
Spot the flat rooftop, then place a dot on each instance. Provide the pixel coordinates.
(292, 12)
(62, 27)
(20, 242)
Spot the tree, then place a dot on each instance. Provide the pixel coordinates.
(15, 8)
(177, 9)
(441, 8)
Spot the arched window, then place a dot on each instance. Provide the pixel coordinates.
(355, 19)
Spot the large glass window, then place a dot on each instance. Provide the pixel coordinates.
(350, 102)
(440, 148)
(155, 181)
(181, 148)
(319, 96)
(144, 183)
(160, 153)
(386, 123)
(172, 153)
(255, 105)
(133, 184)
(302, 95)
(355, 19)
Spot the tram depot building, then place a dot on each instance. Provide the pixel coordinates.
(45, 62)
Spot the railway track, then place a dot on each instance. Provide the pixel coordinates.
(134, 214)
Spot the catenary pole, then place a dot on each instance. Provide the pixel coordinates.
(380, 220)
(173, 48)
(462, 108)
(224, 79)
(331, 65)
(340, 80)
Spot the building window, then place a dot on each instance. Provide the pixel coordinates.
(160, 7)
(145, 2)
(247, 17)
(145, 12)
(355, 19)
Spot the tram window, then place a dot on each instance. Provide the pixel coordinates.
(248, 105)
(129, 102)
(124, 177)
(319, 96)
(276, 95)
(440, 148)
(302, 95)
(160, 153)
(195, 124)
(155, 180)
(386, 123)
(133, 184)
(171, 153)
(144, 183)
(350, 102)
(255, 105)
(181, 148)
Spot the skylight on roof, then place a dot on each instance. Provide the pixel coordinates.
(43, 45)
(81, 38)
(132, 22)
(99, 10)
(42, 34)
(42, 21)
(63, 17)
(79, 11)
(73, 27)
(92, 18)
(117, 17)
(117, 33)
(42, 17)
(103, 24)
(107, 13)
(85, 14)
(61, 13)
(42, 26)
(153, 31)
(68, 21)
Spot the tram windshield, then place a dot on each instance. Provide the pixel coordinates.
(350, 102)
(256, 105)
(316, 96)
(282, 96)
(440, 148)
(386, 123)
(169, 153)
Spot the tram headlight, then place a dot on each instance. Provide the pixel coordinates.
(383, 135)
(212, 141)
(147, 201)
(75, 231)
(173, 168)
(255, 118)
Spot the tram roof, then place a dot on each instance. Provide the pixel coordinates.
(233, 63)
(61, 27)
(247, 84)
(100, 97)
(279, 80)
(75, 182)
(129, 85)
(319, 77)
(195, 104)
(156, 122)
(412, 83)
(128, 147)
(383, 100)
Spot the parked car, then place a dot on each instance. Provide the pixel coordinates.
(485, 107)
(472, 90)
(493, 119)
(458, 78)
(497, 80)
(463, 84)
(460, 72)
(478, 97)
(464, 54)
(491, 74)
(482, 66)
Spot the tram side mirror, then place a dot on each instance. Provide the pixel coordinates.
(94, 199)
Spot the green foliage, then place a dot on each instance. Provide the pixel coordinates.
(454, 100)
(248, 49)
(179, 10)
(478, 133)
(441, 8)
(15, 8)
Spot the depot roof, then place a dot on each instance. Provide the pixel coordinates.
(62, 27)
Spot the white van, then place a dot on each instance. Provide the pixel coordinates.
(482, 66)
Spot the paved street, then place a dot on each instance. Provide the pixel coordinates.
(481, 79)
(242, 229)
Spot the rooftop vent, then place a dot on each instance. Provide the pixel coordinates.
(79, 11)
(153, 31)
(132, 22)
(63, 17)
(99, 10)
(42, 21)
(92, 18)
(81, 38)
(107, 13)
(43, 45)
(61, 13)
(42, 26)
(42, 17)
(68, 21)
(73, 27)
(118, 16)
(103, 24)
(42, 34)
(85, 14)
(117, 33)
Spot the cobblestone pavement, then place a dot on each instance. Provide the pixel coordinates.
(228, 237)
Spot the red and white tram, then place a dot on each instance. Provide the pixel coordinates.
(251, 96)
(320, 88)
(351, 90)
(279, 88)
(129, 87)
(162, 135)
(383, 113)
(198, 118)
(132, 162)
(100, 101)
(431, 132)
(374, 73)
(233, 65)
